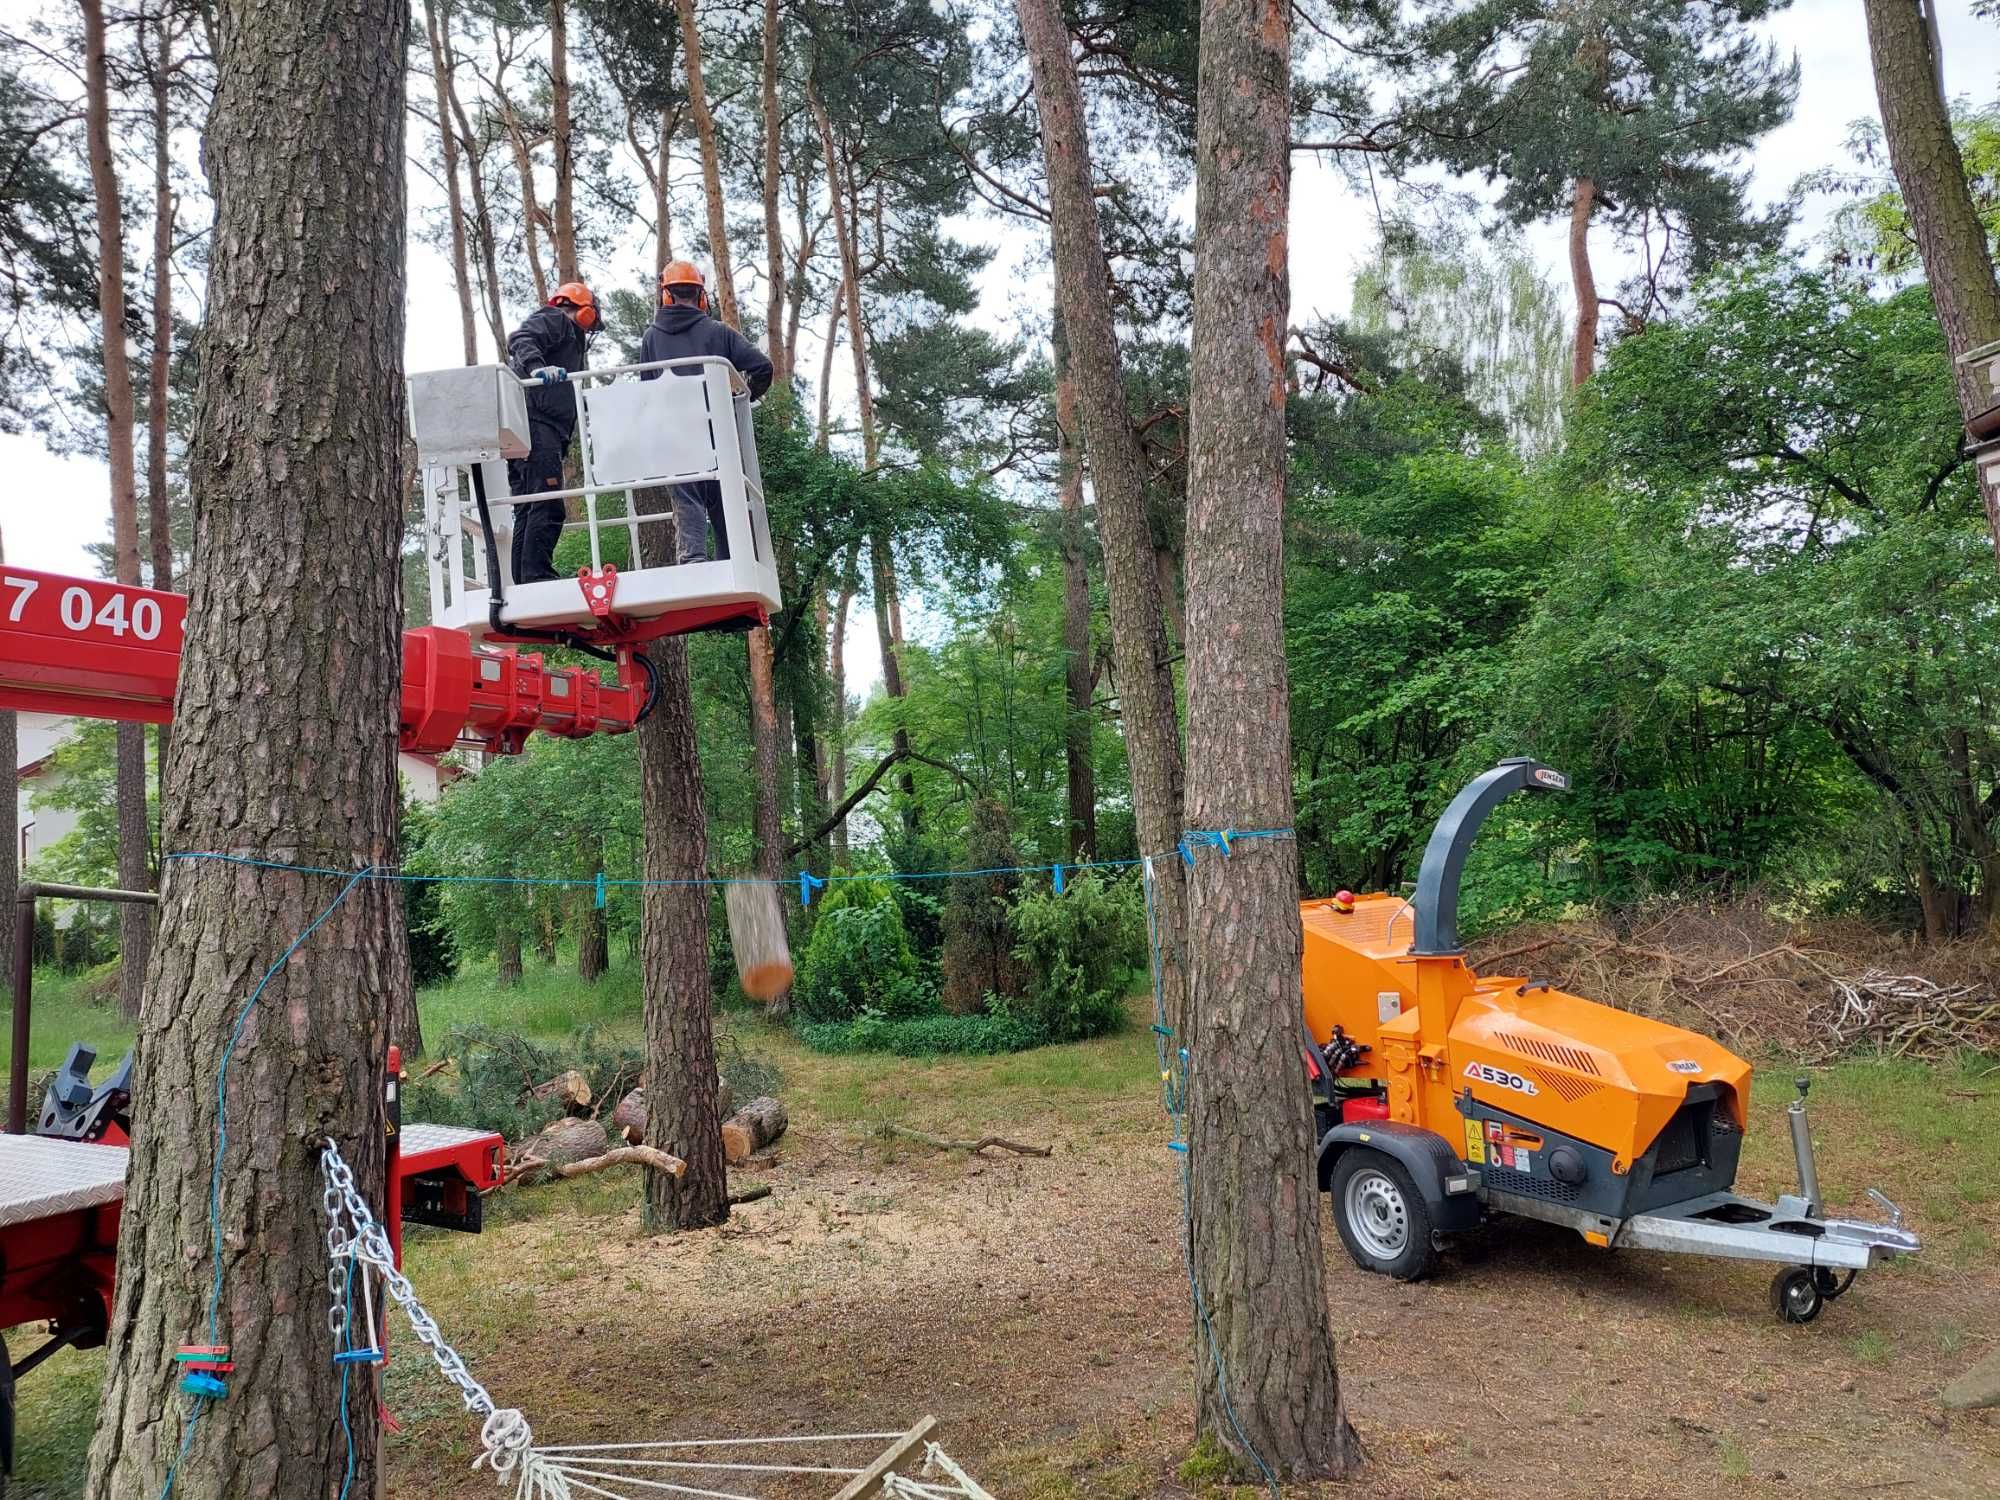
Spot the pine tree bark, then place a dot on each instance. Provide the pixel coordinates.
(1117, 473)
(1583, 357)
(834, 313)
(455, 206)
(836, 656)
(1257, 1252)
(285, 749)
(888, 638)
(775, 342)
(681, 1116)
(563, 138)
(1916, 122)
(120, 430)
(159, 500)
(711, 164)
(1076, 610)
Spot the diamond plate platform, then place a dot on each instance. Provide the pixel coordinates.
(42, 1178)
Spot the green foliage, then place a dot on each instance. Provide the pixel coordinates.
(433, 950)
(859, 960)
(1871, 230)
(923, 1036)
(1080, 948)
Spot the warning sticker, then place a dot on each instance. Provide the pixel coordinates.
(1475, 1148)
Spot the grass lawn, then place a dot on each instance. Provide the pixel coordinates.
(1038, 1306)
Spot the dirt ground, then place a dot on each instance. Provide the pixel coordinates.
(1039, 1308)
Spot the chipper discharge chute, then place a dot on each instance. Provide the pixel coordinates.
(1447, 1096)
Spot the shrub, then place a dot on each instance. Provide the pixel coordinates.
(1079, 947)
(922, 1036)
(859, 960)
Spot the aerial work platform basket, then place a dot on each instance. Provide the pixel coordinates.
(685, 425)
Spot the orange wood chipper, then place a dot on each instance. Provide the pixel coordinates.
(1446, 1097)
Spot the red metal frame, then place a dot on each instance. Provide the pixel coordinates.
(99, 650)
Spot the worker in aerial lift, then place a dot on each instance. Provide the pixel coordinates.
(548, 347)
(682, 329)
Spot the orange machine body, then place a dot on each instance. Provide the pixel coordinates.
(1434, 1029)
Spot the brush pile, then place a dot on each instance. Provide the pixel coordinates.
(1756, 982)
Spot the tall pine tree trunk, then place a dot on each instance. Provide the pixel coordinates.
(1117, 470)
(1076, 611)
(1931, 172)
(775, 343)
(134, 864)
(159, 501)
(531, 208)
(284, 748)
(836, 310)
(563, 138)
(455, 207)
(836, 658)
(1257, 1252)
(1583, 357)
(482, 213)
(888, 638)
(682, 1115)
(507, 955)
(845, 232)
(711, 164)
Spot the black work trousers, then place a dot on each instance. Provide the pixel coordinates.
(538, 525)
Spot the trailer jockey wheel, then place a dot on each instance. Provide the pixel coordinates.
(1831, 1283)
(1381, 1216)
(1795, 1293)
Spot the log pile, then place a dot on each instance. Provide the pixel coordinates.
(629, 1118)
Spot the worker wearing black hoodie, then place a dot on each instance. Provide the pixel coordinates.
(548, 346)
(682, 329)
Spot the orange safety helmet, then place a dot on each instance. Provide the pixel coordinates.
(683, 273)
(575, 294)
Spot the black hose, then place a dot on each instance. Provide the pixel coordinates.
(496, 592)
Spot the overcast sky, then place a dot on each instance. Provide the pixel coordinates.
(53, 505)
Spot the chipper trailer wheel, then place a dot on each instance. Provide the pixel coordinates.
(1381, 1216)
(1797, 1294)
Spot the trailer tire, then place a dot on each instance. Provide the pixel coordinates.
(1381, 1217)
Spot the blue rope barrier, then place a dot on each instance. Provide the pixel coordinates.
(1174, 1070)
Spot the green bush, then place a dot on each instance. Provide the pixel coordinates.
(1079, 947)
(859, 960)
(922, 1036)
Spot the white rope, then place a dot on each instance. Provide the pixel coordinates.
(731, 1442)
(355, 1241)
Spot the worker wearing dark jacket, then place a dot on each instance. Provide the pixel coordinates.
(548, 347)
(682, 329)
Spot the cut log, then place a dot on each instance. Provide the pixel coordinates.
(753, 1127)
(564, 1141)
(757, 937)
(629, 1118)
(571, 1088)
(750, 1194)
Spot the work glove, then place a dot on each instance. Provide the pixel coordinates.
(550, 375)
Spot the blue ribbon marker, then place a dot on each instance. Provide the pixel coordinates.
(1186, 853)
(807, 881)
(600, 890)
(1059, 879)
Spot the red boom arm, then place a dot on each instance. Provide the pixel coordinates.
(98, 650)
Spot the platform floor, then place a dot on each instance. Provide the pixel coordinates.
(42, 1178)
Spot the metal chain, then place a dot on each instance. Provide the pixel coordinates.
(353, 1236)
